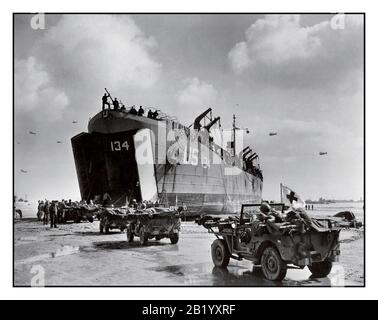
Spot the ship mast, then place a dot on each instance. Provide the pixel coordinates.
(234, 134)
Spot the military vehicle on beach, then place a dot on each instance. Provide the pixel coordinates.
(146, 223)
(301, 241)
(78, 212)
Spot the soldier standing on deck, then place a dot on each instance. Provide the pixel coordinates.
(105, 101)
(116, 104)
(155, 114)
(140, 111)
(133, 110)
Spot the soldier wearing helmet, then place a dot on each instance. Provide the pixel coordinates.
(134, 204)
(269, 214)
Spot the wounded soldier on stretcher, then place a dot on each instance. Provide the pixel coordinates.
(271, 217)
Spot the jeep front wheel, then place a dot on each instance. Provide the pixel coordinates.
(220, 253)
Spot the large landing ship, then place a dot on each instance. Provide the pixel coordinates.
(126, 156)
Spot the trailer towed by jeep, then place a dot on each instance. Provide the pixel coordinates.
(154, 222)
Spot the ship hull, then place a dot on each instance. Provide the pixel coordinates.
(108, 161)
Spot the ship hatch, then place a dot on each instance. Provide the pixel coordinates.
(106, 163)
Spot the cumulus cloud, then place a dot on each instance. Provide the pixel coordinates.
(81, 55)
(96, 49)
(279, 49)
(194, 98)
(274, 40)
(197, 93)
(34, 90)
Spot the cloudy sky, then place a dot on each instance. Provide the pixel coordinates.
(300, 76)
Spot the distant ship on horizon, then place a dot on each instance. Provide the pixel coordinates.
(128, 156)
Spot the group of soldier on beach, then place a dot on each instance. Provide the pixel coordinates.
(53, 212)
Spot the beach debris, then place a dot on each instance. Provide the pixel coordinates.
(64, 251)
(347, 219)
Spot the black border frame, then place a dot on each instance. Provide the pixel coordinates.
(190, 13)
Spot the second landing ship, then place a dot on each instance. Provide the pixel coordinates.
(127, 156)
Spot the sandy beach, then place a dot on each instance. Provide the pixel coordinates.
(78, 255)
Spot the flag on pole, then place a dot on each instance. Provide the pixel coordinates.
(291, 198)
